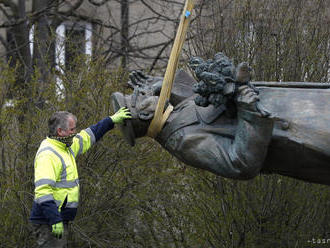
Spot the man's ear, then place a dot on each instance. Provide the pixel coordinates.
(59, 131)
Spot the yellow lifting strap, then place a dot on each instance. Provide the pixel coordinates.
(160, 116)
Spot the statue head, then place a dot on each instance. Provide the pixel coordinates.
(142, 108)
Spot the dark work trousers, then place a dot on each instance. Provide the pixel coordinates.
(46, 239)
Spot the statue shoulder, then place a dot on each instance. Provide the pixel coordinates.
(184, 114)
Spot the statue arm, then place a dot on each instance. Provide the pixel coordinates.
(238, 157)
(252, 137)
(248, 151)
(238, 154)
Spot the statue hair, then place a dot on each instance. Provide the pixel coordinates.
(59, 120)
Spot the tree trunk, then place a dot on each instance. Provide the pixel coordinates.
(124, 32)
(43, 45)
(18, 42)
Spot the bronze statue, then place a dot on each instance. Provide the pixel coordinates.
(227, 125)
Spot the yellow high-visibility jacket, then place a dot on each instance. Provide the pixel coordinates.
(56, 176)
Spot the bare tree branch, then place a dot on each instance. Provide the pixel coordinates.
(4, 11)
(73, 7)
(157, 57)
(11, 5)
(166, 18)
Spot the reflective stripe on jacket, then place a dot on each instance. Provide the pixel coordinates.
(56, 174)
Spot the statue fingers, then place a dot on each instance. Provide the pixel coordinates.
(252, 98)
(141, 75)
(243, 90)
(133, 79)
(248, 87)
(248, 97)
(253, 87)
(250, 94)
(130, 84)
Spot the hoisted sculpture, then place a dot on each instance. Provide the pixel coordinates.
(227, 125)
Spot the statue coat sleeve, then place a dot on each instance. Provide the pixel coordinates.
(238, 154)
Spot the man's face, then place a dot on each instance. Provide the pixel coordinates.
(71, 128)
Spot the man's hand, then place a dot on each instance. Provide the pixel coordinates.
(247, 98)
(122, 114)
(58, 230)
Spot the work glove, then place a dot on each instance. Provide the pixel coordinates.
(122, 114)
(58, 229)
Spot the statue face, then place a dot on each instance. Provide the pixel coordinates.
(146, 107)
(142, 108)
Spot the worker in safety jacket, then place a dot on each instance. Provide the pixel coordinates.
(56, 176)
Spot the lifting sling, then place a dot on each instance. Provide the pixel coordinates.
(160, 116)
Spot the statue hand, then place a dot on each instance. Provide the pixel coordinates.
(247, 98)
(137, 79)
(146, 84)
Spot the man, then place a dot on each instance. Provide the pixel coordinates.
(56, 176)
(278, 130)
